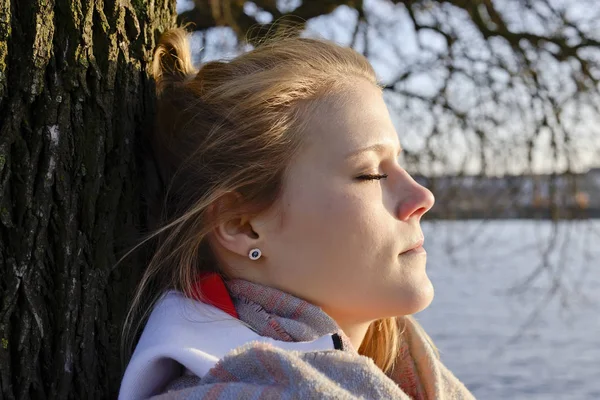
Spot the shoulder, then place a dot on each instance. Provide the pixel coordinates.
(185, 334)
(262, 370)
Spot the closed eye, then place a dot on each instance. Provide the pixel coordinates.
(372, 177)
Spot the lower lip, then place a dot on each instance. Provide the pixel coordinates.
(416, 250)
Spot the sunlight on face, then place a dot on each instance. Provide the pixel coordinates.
(343, 239)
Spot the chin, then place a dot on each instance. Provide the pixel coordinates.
(424, 300)
(415, 298)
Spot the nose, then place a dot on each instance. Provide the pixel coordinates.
(415, 199)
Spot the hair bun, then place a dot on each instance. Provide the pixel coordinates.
(172, 62)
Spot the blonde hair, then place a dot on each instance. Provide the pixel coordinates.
(232, 128)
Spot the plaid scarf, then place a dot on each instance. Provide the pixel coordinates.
(261, 371)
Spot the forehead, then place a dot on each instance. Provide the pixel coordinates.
(350, 120)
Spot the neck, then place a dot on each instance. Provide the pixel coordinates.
(354, 328)
(355, 331)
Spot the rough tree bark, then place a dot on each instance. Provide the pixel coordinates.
(74, 93)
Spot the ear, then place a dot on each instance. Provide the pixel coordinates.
(235, 234)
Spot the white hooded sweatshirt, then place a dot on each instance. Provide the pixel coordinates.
(184, 334)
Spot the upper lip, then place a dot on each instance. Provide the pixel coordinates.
(416, 244)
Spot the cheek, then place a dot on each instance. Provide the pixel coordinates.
(337, 228)
(317, 219)
(359, 227)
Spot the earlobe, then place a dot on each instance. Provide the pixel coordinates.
(236, 236)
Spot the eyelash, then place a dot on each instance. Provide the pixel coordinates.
(372, 177)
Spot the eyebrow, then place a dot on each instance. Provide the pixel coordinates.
(377, 147)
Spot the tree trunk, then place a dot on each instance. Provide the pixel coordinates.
(74, 97)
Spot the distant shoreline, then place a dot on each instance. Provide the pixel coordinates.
(522, 213)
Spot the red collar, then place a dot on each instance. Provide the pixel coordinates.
(211, 289)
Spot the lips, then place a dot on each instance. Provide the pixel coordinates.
(418, 245)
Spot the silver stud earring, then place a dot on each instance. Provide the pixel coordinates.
(254, 254)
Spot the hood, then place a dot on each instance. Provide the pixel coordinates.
(184, 333)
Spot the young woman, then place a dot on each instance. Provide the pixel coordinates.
(294, 256)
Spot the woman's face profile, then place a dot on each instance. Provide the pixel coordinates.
(338, 240)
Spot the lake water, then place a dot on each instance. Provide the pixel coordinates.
(486, 334)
